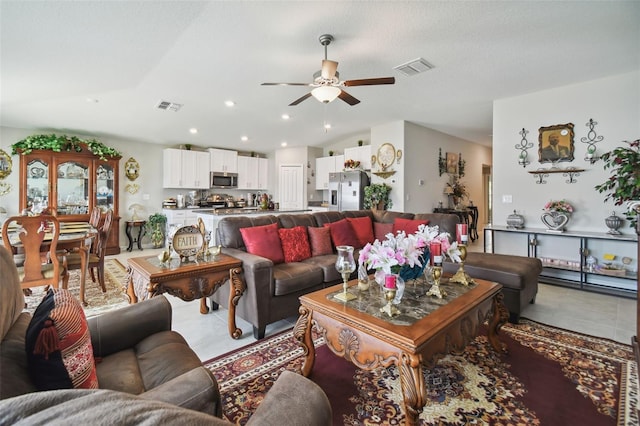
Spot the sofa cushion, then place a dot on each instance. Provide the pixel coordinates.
(295, 277)
(380, 230)
(409, 226)
(263, 241)
(320, 241)
(295, 243)
(342, 234)
(363, 229)
(58, 344)
(327, 263)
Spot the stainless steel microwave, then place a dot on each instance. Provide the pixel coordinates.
(224, 180)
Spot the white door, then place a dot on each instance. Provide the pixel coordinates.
(291, 187)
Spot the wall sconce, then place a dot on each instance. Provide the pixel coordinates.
(523, 146)
(591, 141)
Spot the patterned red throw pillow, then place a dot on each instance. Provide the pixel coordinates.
(58, 344)
(320, 240)
(380, 230)
(363, 228)
(263, 241)
(342, 234)
(409, 226)
(295, 243)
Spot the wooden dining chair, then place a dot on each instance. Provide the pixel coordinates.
(94, 218)
(36, 237)
(95, 259)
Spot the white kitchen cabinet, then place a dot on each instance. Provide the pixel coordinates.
(252, 172)
(326, 165)
(185, 169)
(361, 154)
(223, 160)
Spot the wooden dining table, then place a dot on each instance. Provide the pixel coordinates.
(74, 236)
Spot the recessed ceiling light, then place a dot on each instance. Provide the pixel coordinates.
(244, 138)
(285, 116)
(229, 103)
(92, 100)
(327, 125)
(193, 130)
(283, 144)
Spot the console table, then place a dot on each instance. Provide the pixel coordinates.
(564, 257)
(132, 224)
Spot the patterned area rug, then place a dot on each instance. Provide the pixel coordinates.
(549, 377)
(99, 302)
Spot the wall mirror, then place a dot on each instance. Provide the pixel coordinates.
(5, 164)
(556, 143)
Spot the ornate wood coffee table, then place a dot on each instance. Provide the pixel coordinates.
(147, 277)
(426, 329)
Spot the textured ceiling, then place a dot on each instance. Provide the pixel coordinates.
(130, 55)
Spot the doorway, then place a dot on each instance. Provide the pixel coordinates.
(487, 191)
(291, 187)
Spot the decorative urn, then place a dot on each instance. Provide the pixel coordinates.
(613, 222)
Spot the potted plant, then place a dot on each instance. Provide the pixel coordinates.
(156, 225)
(59, 143)
(624, 183)
(376, 196)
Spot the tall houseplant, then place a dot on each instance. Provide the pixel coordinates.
(377, 196)
(156, 225)
(624, 183)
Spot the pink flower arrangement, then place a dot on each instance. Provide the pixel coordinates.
(401, 250)
(558, 206)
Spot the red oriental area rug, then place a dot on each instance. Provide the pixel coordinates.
(549, 377)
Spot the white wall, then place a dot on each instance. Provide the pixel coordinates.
(613, 102)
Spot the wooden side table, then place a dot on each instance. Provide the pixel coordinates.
(132, 224)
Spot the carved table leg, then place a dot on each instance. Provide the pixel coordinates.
(414, 390)
(302, 333)
(499, 317)
(236, 281)
(204, 309)
(131, 294)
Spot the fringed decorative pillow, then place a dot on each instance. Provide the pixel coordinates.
(58, 344)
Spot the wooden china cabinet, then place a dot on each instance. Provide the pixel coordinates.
(70, 184)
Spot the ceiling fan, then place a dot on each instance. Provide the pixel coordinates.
(326, 82)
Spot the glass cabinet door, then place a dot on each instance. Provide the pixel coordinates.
(72, 184)
(104, 186)
(37, 185)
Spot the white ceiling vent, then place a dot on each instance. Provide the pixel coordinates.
(169, 106)
(414, 67)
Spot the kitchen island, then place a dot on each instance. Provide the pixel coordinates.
(211, 217)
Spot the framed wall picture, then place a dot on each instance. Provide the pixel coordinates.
(5, 164)
(556, 143)
(452, 163)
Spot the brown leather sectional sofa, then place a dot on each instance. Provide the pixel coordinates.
(273, 289)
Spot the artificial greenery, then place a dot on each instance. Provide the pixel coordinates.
(59, 143)
(156, 225)
(624, 183)
(377, 193)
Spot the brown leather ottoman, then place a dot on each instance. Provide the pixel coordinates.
(517, 274)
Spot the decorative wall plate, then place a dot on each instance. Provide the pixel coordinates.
(132, 169)
(5, 188)
(5, 164)
(132, 188)
(187, 242)
(386, 155)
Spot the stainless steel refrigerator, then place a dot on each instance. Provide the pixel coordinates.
(346, 190)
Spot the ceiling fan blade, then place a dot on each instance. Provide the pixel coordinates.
(297, 101)
(329, 69)
(348, 98)
(370, 81)
(285, 84)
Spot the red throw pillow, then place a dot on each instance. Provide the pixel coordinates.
(363, 229)
(295, 243)
(263, 241)
(320, 239)
(58, 344)
(409, 226)
(342, 234)
(380, 230)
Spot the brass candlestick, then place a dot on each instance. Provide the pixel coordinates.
(345, 296)
(345, 264)
(435, 289)
(389, 309)
(461, 277)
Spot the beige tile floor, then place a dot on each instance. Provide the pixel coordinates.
(585, 312)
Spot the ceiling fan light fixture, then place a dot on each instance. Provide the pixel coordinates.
(326, 94)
